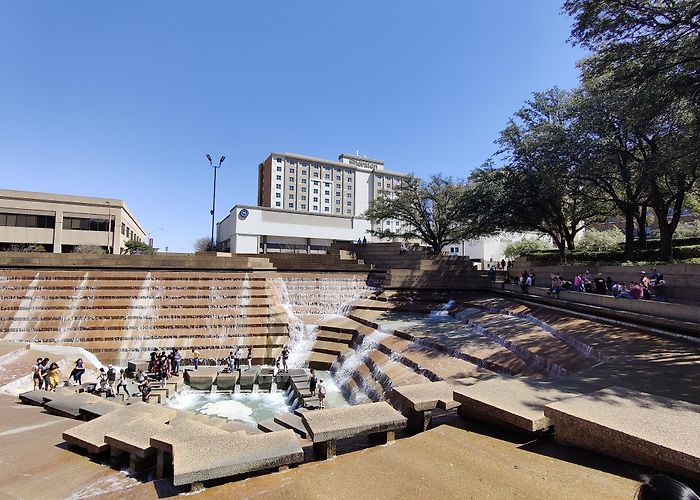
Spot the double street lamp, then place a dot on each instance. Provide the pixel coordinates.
(213, 201)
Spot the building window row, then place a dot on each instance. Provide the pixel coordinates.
(22, 220)
(87, 224)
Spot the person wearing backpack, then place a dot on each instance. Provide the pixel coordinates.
(321, 394)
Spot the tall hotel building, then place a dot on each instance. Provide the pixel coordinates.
(306, 203)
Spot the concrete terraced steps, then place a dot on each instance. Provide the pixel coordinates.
(121, 315)
(377, 362)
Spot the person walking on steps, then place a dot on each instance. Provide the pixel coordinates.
(312, 383)
(78, 371)
(249, 357)
(54, 375)
(146, 391)
(121, 382)
(285, 358)
(36, 375)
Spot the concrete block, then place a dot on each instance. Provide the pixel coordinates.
(213, 458)
(69, 406)
(134, 436)
(510, 402)
(349, 421)
(247, 379)
(201, 379)
(95, 409)
(226, 381)
(634, 426)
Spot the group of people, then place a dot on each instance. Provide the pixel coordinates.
(164, 365)
(112, 381)
(317, 384)
(643, 288)
(46, 375)
(233, 361)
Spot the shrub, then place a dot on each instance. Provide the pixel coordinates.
(91, 249)
(525, 247)
(601, 241)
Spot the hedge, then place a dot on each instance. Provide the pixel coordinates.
(649, 255)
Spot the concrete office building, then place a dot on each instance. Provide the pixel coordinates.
(306, 203)
(62, 222)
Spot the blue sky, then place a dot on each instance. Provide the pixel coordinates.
(123, 99)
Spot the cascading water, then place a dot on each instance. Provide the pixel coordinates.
(19, 328)
(444, 309)
(142, 313)
(309, 300)
(68, 322)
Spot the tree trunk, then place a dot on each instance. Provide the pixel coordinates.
(642, 225)
(629, 233)
(666, 235)
(561, 246)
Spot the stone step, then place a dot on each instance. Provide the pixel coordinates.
(270, 426)
(292, 421)
(332, 336)
(334, 348)
(321, 361)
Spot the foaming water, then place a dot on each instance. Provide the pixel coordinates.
(250, 408)
(443, 309)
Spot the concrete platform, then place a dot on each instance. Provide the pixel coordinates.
(214, 458)
(134, 438)
(635, 426)
(226, 381)
(96, 409)
(69, 406)
(34, 398)
(248, 378)
(349, 421)
(293, 422)
(510, 402)
(270, 426)
(91, 435)
(417, 401)
(201, 379)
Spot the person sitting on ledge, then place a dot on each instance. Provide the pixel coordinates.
(599, 285)
(635, 292)
(661, 487)
(525, 282)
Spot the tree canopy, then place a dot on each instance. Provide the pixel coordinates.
(437, 212)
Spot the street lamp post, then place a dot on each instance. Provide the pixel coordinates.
(109, 224)
(213, 201)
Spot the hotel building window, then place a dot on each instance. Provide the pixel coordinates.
(278, 204)
(279, 177)
(291, 205)
(278, 195)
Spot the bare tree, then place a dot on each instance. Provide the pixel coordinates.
(202, 244)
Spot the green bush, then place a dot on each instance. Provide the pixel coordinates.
(525, 247)
(601, 241)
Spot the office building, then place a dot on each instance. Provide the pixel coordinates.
(60, 223)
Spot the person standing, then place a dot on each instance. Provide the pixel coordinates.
(237, 361)
(36, 375)
(53, 375)
(285, 358)
(177, 359)
(230, 361)
(195, 358)
(249, 357)
(312, 382)
(321, 394)
(45, 373)
(599, 285)
(122, 383)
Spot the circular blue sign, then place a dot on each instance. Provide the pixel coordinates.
(243, 214)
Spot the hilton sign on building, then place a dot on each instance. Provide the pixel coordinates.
(306, 203)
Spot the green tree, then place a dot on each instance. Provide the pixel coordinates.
(538, 188)
(139, 248)
(437, 212)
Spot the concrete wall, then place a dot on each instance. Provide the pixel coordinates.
(665, 314)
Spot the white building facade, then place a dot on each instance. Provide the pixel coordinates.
(305, 203)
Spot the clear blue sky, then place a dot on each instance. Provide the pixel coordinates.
(123, 99)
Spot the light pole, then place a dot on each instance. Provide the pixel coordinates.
(109, 224)
(213, 201)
